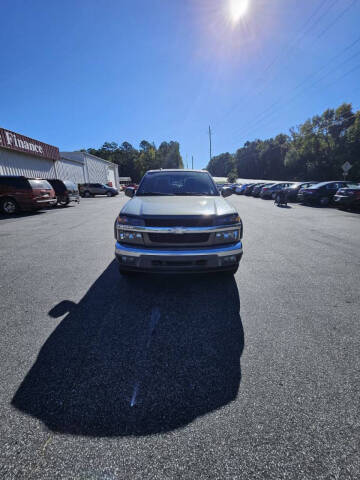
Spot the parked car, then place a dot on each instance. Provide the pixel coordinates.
(250, 188)
(321, 193)
(178, 222)
(92, 189)
(348, 197)
(65, 192)
(21, 193)
(240, 190)
(269, 191)
(293, 190)
(257, 189)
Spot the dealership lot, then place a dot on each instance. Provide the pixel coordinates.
(252, 376)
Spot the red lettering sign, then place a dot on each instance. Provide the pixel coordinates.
(20, 143)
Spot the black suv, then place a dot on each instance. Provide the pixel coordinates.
(65, 192)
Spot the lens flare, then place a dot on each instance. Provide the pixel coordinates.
(238, 9)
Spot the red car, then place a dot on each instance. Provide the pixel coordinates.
(21, 193)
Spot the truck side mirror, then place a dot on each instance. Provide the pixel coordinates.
(129, 192)
(226, 192)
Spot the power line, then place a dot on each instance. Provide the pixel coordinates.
(291, 100)
(337, 19)
(304, 33)
(329, 124)
(288, 48)
(303, 91)
(304, 81)
(267, 112)
(263, 115)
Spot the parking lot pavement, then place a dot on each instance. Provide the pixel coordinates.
(251, 377)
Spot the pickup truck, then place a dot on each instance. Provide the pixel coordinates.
(177, 221)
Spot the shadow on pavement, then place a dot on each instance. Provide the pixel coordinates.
(22, 214)
(138, 356)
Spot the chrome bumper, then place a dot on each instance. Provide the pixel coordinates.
(219, 251)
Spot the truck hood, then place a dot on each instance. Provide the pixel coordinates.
(177, 205)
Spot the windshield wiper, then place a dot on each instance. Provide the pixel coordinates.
(192, 194)
(154, 194)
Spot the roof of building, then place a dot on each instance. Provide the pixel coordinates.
(78, 155)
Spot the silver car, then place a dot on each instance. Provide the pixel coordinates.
(177, 221)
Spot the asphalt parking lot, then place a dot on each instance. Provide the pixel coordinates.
(191, 377)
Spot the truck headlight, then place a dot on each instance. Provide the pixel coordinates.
(228, 236)
(129, 220)
(227, 219)
(125, 236)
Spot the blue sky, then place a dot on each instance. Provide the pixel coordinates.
(78, 73)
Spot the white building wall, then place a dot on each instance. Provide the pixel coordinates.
(97, 170)
(17, 163)
(69, 170)
(111, 176)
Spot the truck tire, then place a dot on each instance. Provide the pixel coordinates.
(87, 194)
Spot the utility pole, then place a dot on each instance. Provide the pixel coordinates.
(192, 162)
(210, 141)
(187, 165)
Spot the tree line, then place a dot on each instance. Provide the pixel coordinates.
(314, 150)
(133, 162)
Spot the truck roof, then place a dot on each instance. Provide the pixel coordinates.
(177, 170)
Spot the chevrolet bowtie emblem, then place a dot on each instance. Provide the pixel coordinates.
(179, 230)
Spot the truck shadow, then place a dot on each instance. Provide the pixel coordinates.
(138, 356)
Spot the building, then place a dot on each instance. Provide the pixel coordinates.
(20, 155)
(89, 168)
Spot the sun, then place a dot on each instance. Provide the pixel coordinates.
(238, 9)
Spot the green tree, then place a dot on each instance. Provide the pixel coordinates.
(232, 176)
(221, 165)
(134, 162)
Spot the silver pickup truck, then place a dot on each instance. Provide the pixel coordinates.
(177, 221)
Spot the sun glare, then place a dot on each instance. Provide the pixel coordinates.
(238, 9)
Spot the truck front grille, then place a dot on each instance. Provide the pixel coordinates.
(173, 238)
(180, 221)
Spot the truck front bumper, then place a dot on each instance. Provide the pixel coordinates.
(201, 259)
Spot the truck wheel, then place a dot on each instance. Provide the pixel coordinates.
(87, 194)
(8, 206)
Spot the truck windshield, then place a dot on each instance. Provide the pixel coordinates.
(177, 183)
